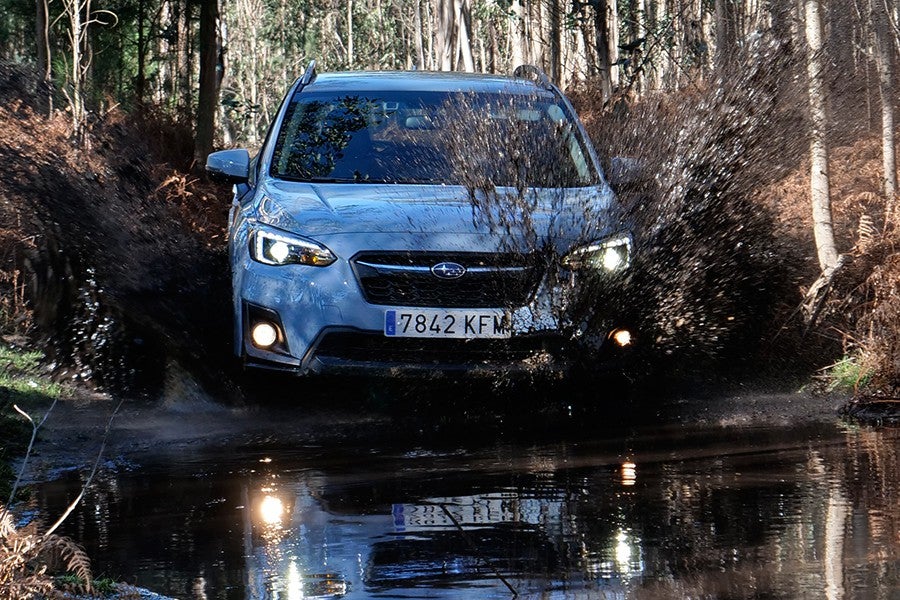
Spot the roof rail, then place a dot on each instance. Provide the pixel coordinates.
(534, 74)
(309, 74)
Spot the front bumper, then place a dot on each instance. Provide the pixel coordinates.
(327, 326)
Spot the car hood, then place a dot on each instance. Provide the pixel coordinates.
(323, 210)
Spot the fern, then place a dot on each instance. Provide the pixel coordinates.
(26, 557)
(72, 556)
(866, 234)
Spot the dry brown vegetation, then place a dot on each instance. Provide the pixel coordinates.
(28, 561)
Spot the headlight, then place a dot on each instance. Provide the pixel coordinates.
(611, 255)
(274, 247)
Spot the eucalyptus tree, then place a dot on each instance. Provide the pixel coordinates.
(823, 228)
(884, 60)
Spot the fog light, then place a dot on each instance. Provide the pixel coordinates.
(264, 335)
(622, 337)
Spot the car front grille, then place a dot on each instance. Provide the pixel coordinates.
(406, 279)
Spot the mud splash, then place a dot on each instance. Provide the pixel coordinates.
(119, 283)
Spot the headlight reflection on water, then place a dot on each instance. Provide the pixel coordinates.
(271, 510)
(629, 473)
(623, 552)
(294, 582)
(320, 585)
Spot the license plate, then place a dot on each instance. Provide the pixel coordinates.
(451, 324)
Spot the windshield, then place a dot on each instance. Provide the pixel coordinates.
(479, 139)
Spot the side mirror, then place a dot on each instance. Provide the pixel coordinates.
(229, 166)
(624, 171)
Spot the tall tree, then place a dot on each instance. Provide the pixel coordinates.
(445, 38)
(463, 21)
(350, 53)
(518, 39)
(42, 37)
(823, 229)
(884, 61)
(604, 62)
(207, 92)
(725, 33)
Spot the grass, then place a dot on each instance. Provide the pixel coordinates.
(20, 374)
(846, 375)
(24, 385)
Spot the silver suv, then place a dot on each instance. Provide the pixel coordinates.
(413, 221)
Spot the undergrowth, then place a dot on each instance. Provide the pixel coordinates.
(28, 560)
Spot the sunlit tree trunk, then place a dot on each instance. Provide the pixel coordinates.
(612, 28)
(884, 60)
(637, 35)
(350, 56)
(75, 11)
(518, 40)
(823, 228)
(444, 37)
(463, 23)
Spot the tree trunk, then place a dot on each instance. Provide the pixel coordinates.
(604, 63)
(823, 229)
(417, 33)
(140, 83)
(76, 35)
(555, 35)
(444, 36)
(349, 34)
(463, 22)
(185, 68)
(725, 34)
(206, 92)
(42, 32)
(884, 60)
(519, 51)
(612, 28)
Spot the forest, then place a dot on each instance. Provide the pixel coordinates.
(765, 129)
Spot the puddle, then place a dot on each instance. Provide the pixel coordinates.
(697, 511)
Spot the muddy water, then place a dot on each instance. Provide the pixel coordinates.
(662, 511)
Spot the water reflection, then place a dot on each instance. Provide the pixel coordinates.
(739, 514)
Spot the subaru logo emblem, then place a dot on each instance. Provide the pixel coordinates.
(448, 270)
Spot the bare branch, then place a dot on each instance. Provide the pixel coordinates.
(90, 478)
(35, 427)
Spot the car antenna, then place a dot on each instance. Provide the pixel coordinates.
(534, 74)
(309, 75)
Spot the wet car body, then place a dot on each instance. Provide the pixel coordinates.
(352, 253)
